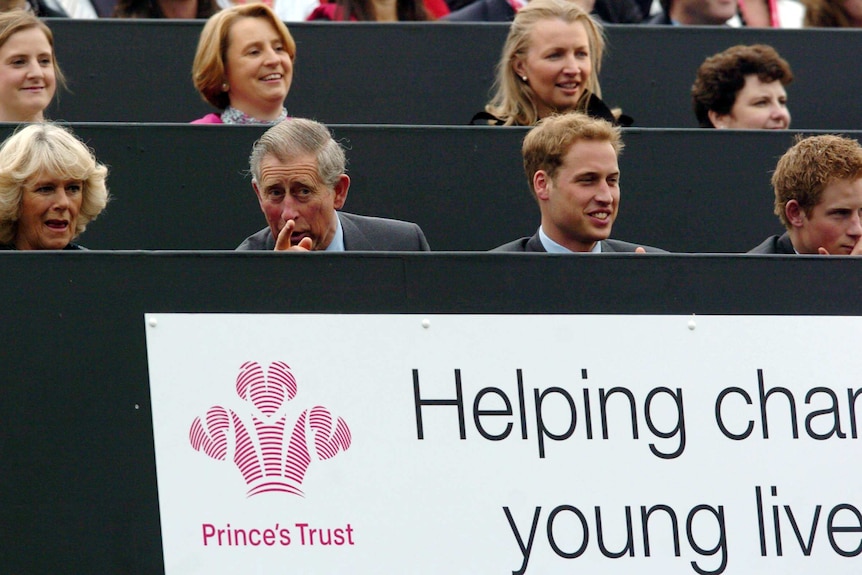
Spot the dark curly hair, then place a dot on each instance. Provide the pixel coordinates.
(721, 77)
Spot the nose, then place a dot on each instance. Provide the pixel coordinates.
(270, 56)
(288, 210)
(780, 112)
(34, 70)
(603, 194)
(855, 228)
(572, 64)
(61, 200)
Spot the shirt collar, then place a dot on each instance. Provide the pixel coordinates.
(337, 243)
(553, 247)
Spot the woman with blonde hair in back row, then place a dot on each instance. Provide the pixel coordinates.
(550, 64)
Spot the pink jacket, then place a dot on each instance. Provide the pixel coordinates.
(209, 119)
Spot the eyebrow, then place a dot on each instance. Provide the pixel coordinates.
(595, 173)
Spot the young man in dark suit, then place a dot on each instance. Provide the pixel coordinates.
(571, 165)
(818, 198)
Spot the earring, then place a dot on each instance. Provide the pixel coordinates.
(524, 78)
(225, 87)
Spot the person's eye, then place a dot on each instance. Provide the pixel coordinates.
(45, 61)
(278, 48)
(74, 188)
(19, 62)
(582, 54)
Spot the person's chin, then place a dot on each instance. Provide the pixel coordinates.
(54, 243)
(567, 104)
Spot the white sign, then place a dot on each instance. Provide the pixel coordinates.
(484, 444)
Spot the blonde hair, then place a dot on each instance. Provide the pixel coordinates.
(514, 101)
(208, 70)
(546, 145)
(47, 148)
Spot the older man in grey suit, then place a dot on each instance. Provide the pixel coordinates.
(571, 165)
(298, 176)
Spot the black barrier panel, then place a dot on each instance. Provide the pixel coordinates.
(77, 462)
(186, 187)
(433, 73)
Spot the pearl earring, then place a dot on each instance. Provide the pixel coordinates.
(524, 78)
(225, 87)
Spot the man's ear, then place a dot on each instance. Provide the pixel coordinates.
(340, 188)
(542, 185)
(794, 213)
(718, 120)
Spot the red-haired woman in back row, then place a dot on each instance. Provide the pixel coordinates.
(244, 66)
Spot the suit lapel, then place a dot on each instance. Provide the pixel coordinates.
(785, 246)
(534, 244)
(354, 239)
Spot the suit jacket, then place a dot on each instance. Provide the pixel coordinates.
(660, 19)
(534, 245)
(775, 245)
(361, 233)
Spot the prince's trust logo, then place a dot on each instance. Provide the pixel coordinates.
(271, 453)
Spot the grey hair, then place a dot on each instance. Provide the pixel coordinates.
(297, 137)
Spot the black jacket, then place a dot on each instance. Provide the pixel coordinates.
(595, 108)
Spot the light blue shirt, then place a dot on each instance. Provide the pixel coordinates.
(337, 243)
(553, 247)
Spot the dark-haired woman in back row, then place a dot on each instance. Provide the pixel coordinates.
(743, 88)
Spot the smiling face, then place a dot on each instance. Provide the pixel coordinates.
(49, 213)
(556, 64)
(293, 190)
(258, 68)
(834, 224)
(27, 77)
(579, 204)
(759, 105)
